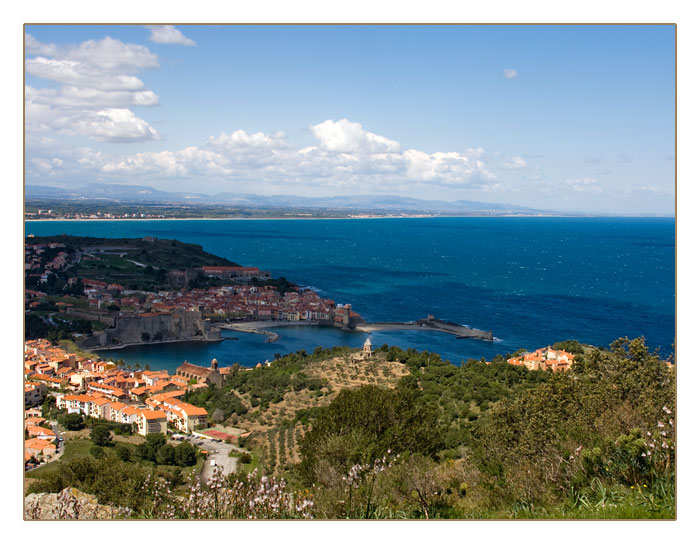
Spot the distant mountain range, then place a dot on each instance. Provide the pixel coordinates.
(384, 203)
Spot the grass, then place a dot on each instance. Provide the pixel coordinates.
(73, 449)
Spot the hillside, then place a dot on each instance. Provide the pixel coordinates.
(168, 254)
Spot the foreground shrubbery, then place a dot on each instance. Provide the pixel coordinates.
(594, 442)
(475, 441)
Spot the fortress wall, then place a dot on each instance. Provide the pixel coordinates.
(179, 325)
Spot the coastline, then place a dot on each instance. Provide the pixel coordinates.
(418, 216)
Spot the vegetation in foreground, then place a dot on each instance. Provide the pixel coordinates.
(474, 441)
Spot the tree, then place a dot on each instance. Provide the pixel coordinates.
(165, 455)
(572, 346)
(185, 454)
(100, 435)
(123, 452)
(362, 424)
(74, 422)
(245, 458)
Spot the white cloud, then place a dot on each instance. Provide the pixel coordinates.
(509, 73)
(35, 47)
(72, 72)
(240, 139)
(114, 125)
(346, 136)
(113, 55)
(105, 125)
(74, 97)
(98, 88)
(514, 163)
(168, 34)
(346, 157)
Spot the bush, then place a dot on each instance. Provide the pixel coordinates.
(97, 452)
(74, 422)
(101, 436)
(185, 454)
(245, 458)
(123, 452)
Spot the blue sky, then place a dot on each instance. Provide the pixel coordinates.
(570, 118)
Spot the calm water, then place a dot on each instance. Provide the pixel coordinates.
(532, 281)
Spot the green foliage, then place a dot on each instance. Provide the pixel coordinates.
(73, 422)
(53, 329)
(599, 421)
(156, 450)
(245, 458)
(97, 452)
(123, 452)
(572, 346)
(362, 424)
(264, 385)
(100, 435)
(111, 480)
(165, 455)
(185, 455)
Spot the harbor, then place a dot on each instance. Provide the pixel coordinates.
(426, 324)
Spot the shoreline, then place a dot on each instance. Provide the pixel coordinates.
(418, 216)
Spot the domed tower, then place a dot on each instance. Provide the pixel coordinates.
(214, 364)
(367, 348)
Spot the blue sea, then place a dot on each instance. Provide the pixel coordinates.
(532, 281)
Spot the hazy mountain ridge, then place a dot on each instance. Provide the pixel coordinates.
(145, 194)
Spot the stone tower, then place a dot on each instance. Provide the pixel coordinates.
(367, 348)
(214, 364)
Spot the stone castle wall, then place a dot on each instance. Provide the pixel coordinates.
(142, 329)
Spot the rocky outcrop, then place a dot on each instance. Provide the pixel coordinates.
(70, 503)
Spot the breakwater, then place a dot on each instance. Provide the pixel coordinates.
(258, 327)
(429, 323)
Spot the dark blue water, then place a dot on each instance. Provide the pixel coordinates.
(532, 281)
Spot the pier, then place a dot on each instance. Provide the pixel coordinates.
(429, 323)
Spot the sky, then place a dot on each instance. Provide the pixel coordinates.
(560, 117)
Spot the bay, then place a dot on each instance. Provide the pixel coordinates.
(533, 281)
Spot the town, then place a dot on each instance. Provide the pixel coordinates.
(148, 401)
(103, 297)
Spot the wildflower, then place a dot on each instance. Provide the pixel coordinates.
(665, 409)
(644, 454)
(660, 425)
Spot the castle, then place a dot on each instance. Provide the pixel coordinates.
(179, 324)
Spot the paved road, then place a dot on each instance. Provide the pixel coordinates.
(218, 452)
(59, 437)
